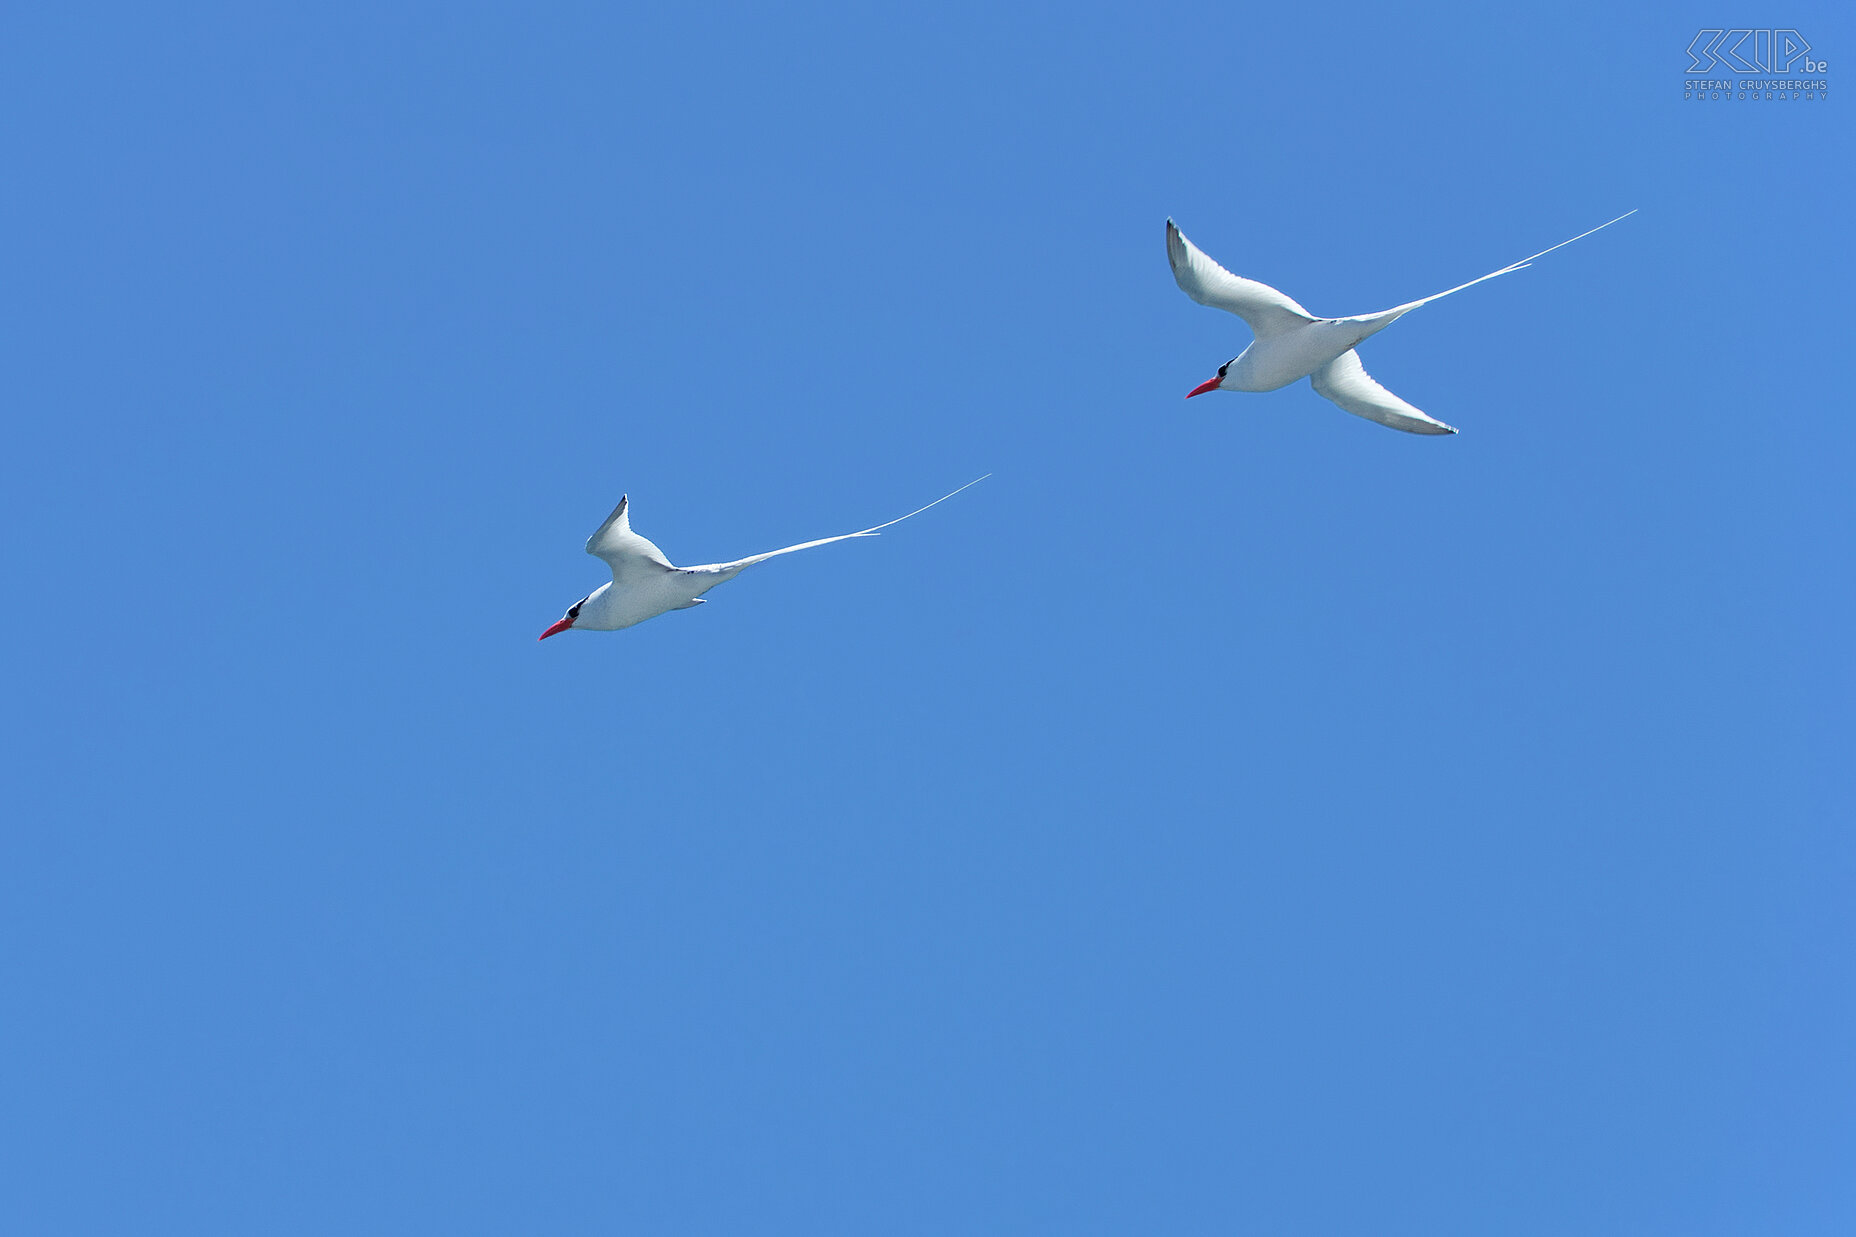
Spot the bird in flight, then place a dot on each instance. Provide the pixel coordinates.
(645, 584)
(1292, 343)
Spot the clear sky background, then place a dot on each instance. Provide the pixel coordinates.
(1232, 817)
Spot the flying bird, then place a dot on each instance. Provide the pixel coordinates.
(1292, 343)
(645, 584)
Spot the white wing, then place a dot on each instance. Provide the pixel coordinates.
(1268, 311)
(740, 563)
(1345, 381)
(629, 555)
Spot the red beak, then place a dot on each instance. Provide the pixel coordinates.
(556, 630)
(1203, 387)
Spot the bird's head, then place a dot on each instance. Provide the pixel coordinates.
(1215, 383)
(566, 622)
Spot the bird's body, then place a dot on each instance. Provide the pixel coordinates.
(646, 584)
(1292, 343)
(1270, 365)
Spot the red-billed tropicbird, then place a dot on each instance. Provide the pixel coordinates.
(645, 584)
(1292, 343)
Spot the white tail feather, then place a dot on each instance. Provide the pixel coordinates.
(1509, 269)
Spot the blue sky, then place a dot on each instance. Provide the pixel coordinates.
(1230, 817)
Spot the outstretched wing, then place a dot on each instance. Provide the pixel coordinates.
(1345, 381)
(729, 569)
(1268, 311)
(628, 554)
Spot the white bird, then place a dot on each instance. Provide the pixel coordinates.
(1292, 343)
(645, 584)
